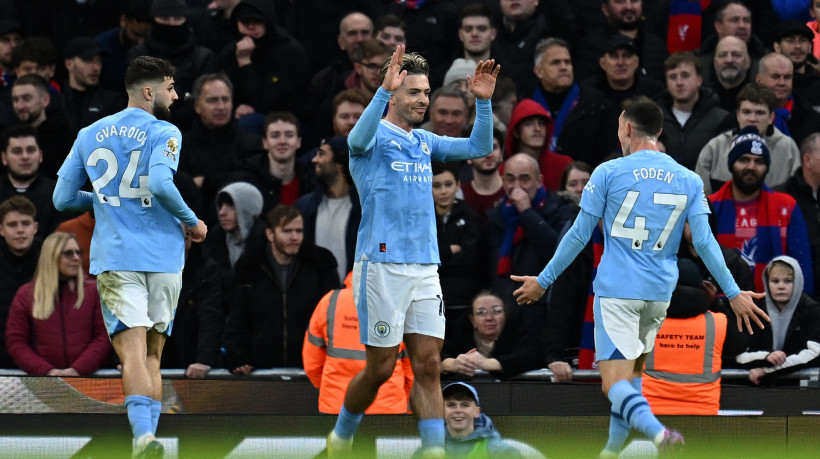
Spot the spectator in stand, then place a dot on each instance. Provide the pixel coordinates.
(199, 319)
(83, 100)
(82, 227)
(459, 243)
(476, 32)
(38, 55)
(490, 338)
(755, 106)
(22, 156)
(505, 98)
(214, 28)
(733, 19)
(171, 38)
(269, 68)
(752, 218)
(793, 40)
(30, 101)
(354, 28)
(348, 107)
(315, 23)
(803, 187)
(332, 212)
(588, 128)
(239, 206)
(520, 28)
(275, 171)
(728, 72)
(214, 144)
(19, 250)
(279, 282)
(691, 115)
(575, 177)
(332, 355)
(529, 132)
(794, 115)
(619, 78)
(624, 18)
(133, 27)
(449, 109)
(390, 30)
(486, 189)
(55, 325)
(523, 231)
(792, 341)
(11, 35)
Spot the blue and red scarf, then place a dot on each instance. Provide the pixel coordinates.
(783, 115)
(685, 25)
(513, 234)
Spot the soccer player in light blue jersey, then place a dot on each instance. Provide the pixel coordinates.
(137, 249)
(643, 201)
(395, 273)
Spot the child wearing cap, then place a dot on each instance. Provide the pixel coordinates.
(470, 433)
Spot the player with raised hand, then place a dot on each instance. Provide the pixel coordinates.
(137, 249)
(643, 200)
(395, 274)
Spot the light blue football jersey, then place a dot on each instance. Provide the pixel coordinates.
(644, 200)
(394, 179)
(132, 232)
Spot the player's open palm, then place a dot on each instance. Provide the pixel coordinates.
(747, 311)
(482, 84)
(394, 75)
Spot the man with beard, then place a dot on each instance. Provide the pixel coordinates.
(332, 212)
(22, 157)
(82, 98)
(130, 158)
(793, 39)
(280, 279)
(728, 71)
(134, 24)
(623, 18)
(794, 115)
(30, 100)
(486, 189)
(755, 107)
(760, 223)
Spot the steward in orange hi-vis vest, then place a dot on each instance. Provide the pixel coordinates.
(332, 355)
(682, 373)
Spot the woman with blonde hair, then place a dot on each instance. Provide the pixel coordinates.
(55, 325)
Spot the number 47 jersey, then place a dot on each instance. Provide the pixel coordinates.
(132, 231)
(643, 200)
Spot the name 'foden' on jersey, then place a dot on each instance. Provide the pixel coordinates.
(651, 173)
(123, 131)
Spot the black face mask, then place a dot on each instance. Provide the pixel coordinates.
(170, 35)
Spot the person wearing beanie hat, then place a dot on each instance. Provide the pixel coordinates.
(758, 222)
(459, 70)
(334, 204)
(756, 105)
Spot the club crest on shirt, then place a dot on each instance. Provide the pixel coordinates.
(172, 145)
(425, 149)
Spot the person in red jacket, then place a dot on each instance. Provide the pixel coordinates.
(332, 355)
(529, 132)
(55, 325)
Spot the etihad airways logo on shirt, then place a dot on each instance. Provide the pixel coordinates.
(416, 168)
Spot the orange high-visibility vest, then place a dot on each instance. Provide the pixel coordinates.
(332, 355)
(682, 373)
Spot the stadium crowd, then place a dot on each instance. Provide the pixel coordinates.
(269, 90)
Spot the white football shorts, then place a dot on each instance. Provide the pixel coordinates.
(394, 299)
(138, 299)
(625, 328)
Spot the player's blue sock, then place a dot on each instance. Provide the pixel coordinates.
(618, 432)
(634, 408)
(139, 414)
(637, 383)
(347, 423)
(432, 433)
(156, 409)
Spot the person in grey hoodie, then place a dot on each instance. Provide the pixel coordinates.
(469, 432)
(792, 340)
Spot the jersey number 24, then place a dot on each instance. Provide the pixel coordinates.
(112, 168)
